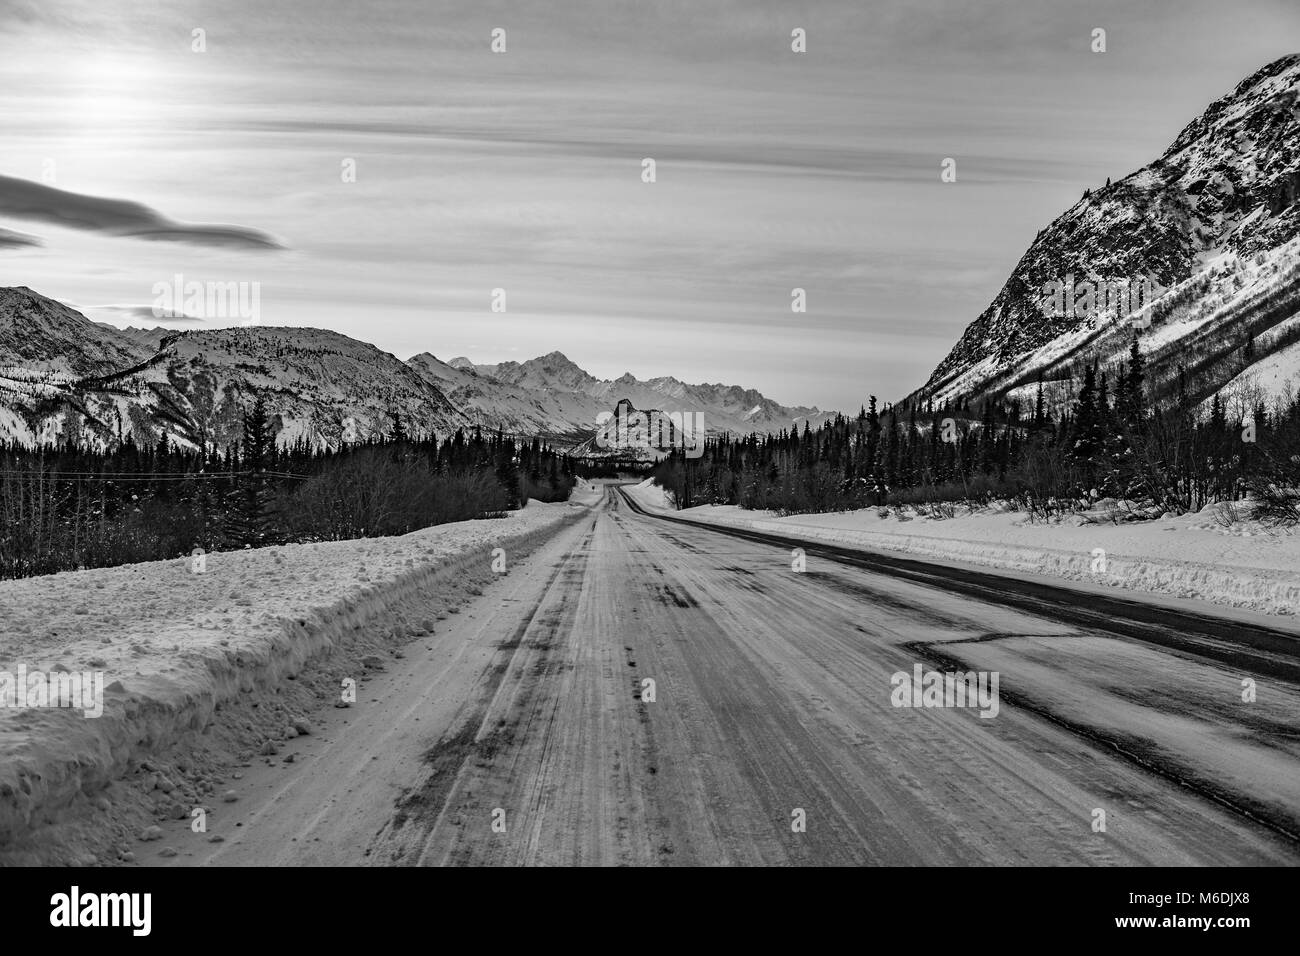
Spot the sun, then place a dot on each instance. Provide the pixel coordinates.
(109, 94)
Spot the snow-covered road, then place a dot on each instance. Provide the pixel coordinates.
(524, 734)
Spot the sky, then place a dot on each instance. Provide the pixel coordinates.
(135, 151)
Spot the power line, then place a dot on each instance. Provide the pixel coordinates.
(137, 476)
(124, 474)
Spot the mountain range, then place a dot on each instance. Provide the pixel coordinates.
(64, 376)
(1209, 232)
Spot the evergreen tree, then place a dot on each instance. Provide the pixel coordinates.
(1085, 418)
(507, 471)
(1132, 408)
(249, 521)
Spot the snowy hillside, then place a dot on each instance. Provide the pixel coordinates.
(39, 335)
(570, 399)
(1207, 228)
(63, 376)
(1275, 379)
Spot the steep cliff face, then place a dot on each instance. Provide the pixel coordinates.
(1227, 189)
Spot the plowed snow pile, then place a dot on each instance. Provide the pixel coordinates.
(1239, 563)
(176, 646)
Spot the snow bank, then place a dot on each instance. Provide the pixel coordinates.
(1244, 565)
(175, 645)
(647, 492)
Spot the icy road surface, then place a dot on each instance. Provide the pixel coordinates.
(522, 735)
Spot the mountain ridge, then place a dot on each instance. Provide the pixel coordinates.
(64, 377)
(1224, 192)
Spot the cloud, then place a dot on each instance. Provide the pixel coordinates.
(146, 313)
(15, 240)
(24, 199)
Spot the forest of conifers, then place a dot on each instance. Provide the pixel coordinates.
(63, 508)
(1114, 442)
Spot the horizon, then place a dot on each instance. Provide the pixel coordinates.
(522, 171)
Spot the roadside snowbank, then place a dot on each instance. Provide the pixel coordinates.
(648, 493)
(1244, 565)
(176, 646)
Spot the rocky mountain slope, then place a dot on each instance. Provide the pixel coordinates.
(563, 398)
(1206, 229)
(41, 335)
(62, 375)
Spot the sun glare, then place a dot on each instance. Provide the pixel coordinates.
(111, 95)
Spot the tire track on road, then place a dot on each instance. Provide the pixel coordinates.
(474, 738)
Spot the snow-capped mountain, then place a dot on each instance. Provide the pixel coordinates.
(41, 335)
(560, 398)
(1194, 253)
(646, 434)
(490, 403)
(63, 375)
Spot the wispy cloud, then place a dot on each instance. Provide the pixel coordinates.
(24, 199)
(144, 313)
(16, 240)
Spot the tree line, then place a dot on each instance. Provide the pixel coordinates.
(1114, 441)
(68, 506)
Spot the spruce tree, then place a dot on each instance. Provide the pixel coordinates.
(1084, 428)
(1132, 409)
(249, 517)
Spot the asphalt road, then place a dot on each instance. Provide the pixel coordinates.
(525, 733)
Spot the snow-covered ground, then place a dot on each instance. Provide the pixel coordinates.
(1243, 565)
(174, 646)
(1277, 376)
